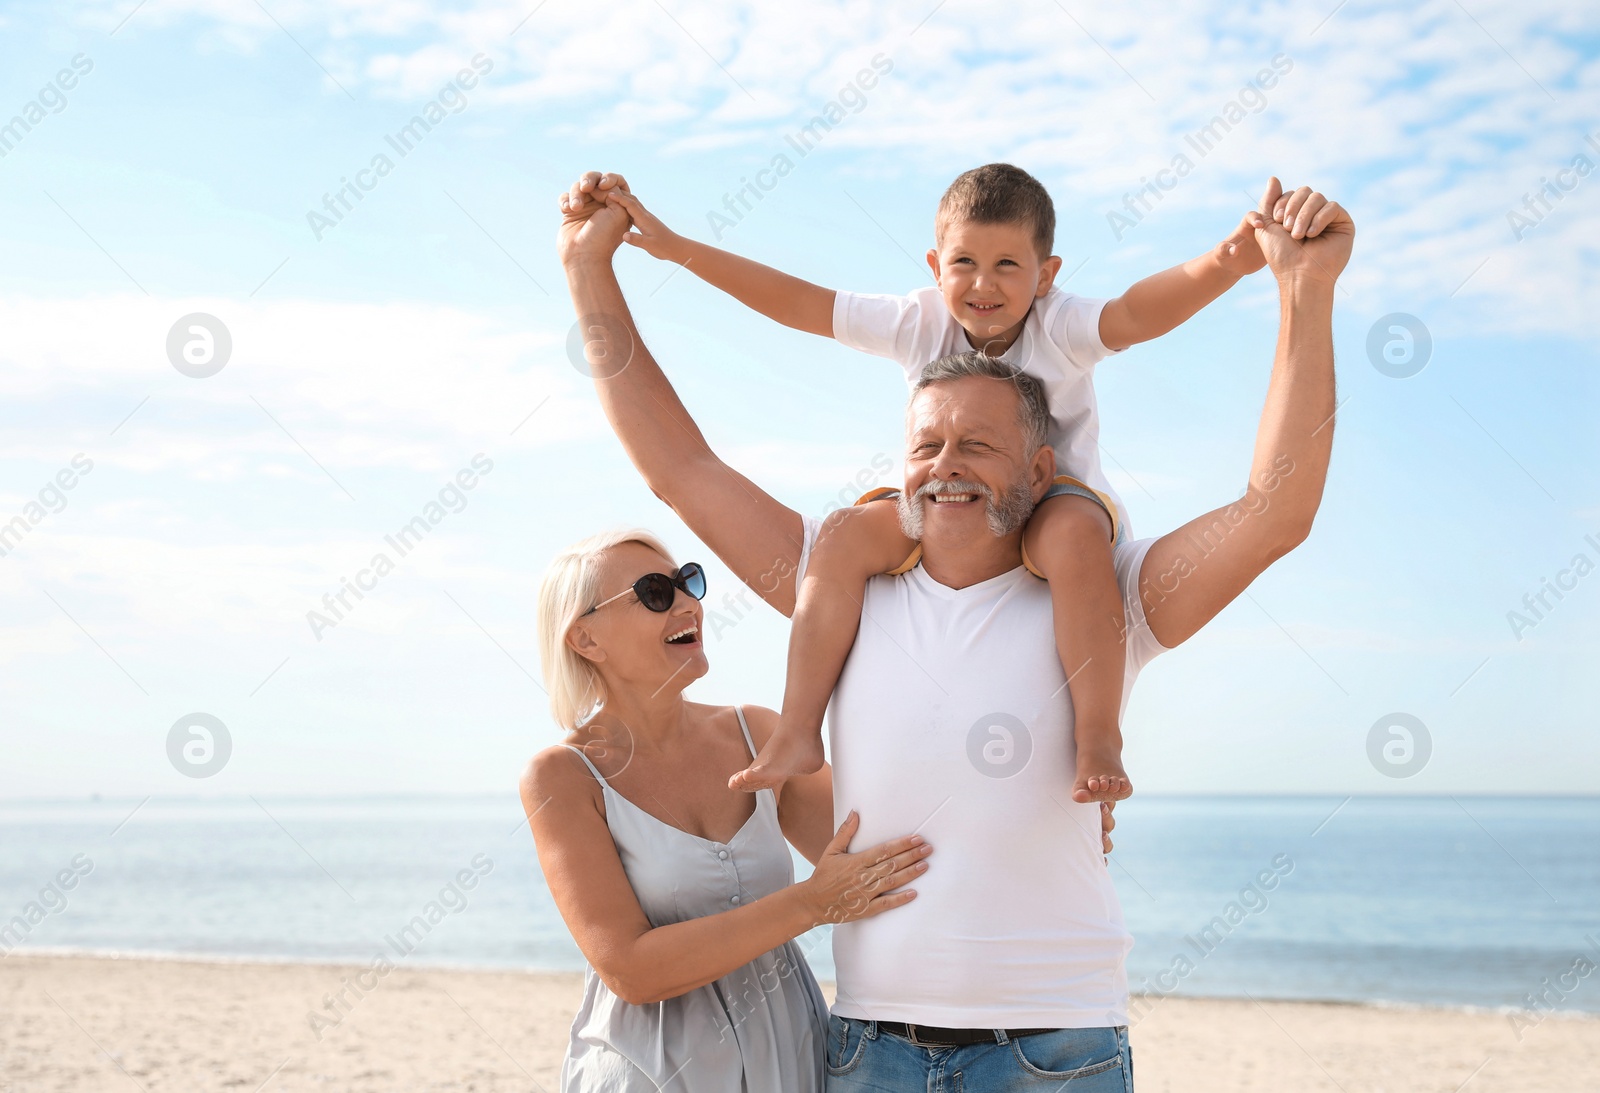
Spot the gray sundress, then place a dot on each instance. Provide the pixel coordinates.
(758, 1029)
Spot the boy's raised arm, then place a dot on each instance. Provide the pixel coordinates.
(1168, 299)
(775, 294)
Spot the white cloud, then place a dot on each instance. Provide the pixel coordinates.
(1427, 122)
(200, 514)
(205, 533)
(403, 385)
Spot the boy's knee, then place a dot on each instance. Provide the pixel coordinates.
(851, 524)
(861, 527)
(861, 540)
(1070, 518)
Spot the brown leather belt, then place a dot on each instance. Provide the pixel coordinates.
(929, 1036)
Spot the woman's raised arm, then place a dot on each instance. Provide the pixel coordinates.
(755, 535)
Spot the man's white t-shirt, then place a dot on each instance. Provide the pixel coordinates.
(1059, 346)
(952, 719)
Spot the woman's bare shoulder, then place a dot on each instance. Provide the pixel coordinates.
(761, 720)
(557, 771)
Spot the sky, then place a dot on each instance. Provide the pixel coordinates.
(247, 177)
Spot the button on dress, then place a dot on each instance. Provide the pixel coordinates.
(758, 1029)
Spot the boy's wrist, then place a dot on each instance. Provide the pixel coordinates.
(1213, 269)
(677, 248)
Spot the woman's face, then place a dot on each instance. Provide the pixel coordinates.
(632, 646)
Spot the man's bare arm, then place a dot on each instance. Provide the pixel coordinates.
(1194, 572)
(756, 536)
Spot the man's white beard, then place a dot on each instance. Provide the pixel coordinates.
(1004, 516)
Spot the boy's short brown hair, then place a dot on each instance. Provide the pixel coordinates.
(998, 193)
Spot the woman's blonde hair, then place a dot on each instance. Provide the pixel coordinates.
(569, 589)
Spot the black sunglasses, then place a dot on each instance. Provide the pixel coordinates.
(657, 590)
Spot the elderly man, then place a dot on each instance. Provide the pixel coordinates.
(952, 717)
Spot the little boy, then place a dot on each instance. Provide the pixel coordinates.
(994, 292)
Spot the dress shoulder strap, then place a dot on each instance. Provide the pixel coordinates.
(586, 762)
(744, 726)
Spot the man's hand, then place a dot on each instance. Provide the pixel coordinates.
(595, 189)
(1305, 237)
(592, 222)
(594, 186)
(1108, 823)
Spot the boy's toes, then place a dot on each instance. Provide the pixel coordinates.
(1101, 787)
(754, 777)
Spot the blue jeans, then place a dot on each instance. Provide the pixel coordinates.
(862, 1058)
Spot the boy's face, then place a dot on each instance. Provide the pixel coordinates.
(990, 275)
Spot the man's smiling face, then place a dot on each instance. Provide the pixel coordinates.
(968, 468)
(989, 275)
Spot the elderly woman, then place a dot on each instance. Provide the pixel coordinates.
(679, 890)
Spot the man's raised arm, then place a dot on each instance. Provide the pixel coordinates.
(1191, 574)
(757, 537)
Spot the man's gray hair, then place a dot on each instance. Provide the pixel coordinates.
(1033, 410)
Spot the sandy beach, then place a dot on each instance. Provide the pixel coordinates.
(89, 1023)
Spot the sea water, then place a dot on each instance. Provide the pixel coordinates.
(1468, 901)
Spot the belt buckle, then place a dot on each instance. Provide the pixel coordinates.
(911, 1034)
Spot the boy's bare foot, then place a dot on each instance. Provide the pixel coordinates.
(1101, 777)
(781, 759)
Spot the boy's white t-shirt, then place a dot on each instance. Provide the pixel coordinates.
(1059, 346)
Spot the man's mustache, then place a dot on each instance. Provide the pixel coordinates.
(946, 485)
(1003, 515)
